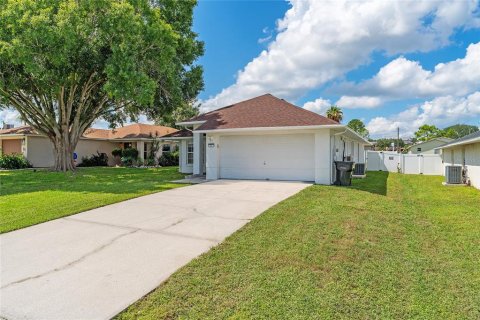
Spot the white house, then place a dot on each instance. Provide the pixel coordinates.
(429, 147)
(465, 152)
(265, 138)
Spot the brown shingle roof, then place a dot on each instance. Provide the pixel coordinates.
(184, 133)
(132, 131)
(18, 130)
(262, 111)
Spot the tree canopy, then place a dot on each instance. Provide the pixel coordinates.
(358, 126)
(459, 130)
(427, 132)
(335, 113)
(64, 64)
(385, 144)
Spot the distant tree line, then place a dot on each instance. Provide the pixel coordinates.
(428, 132)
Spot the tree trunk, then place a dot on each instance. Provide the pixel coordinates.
(63, 153)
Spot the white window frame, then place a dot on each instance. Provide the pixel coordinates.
(190, 151)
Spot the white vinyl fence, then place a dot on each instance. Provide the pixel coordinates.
(428, 164)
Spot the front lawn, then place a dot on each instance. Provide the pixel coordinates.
(29, 197)
(389, 247)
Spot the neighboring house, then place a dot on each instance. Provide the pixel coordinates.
(465, 152)
(265, 138)
(39, 150)
(429, 147)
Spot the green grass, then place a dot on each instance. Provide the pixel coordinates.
(29, 197)
(389, 247)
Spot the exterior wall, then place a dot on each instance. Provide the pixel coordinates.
(468, 156)
(85, 148)
(472, 161)
(40, 152)
(41, 155)
(323, 157)
(10, 146)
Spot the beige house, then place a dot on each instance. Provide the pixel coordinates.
(39, 150)
(429, 147)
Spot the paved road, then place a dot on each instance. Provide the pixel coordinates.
(94, 264)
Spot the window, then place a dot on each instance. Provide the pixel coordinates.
(166, 148)
(127, 145)
(190, 153)
(419, 149)
(146, 149)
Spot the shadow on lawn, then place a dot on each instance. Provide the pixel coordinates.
(375, 182)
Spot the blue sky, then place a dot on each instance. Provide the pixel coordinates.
(376, 60)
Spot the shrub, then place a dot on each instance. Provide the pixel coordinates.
(117, 152)
(129, 156)
(96, 160)
(149, 162)
(168, 159)
(14, 161)
(130, 152)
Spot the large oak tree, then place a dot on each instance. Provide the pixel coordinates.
(66, 63)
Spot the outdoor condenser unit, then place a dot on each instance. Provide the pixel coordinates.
(359, 169)
(453, 174)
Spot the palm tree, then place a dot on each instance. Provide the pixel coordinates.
(335, 113)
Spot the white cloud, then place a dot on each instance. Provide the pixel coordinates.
(406, 79)
(10, 116)
(319, 41)
(441, 111)
(319, 106)
(268, 35)
(359, 102)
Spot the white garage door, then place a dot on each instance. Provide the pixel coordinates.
(274, 157)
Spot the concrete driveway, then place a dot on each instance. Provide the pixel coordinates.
(94, 264)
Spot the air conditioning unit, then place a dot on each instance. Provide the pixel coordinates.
(359, 169)
(453, 174)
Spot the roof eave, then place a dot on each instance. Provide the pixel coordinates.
(461, 143)
(190, 123)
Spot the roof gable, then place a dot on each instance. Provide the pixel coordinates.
(260, 112)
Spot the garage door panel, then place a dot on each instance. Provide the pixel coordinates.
(274, 157)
